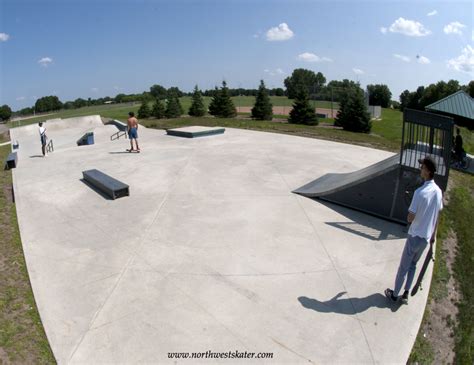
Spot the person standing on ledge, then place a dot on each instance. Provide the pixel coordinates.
(423, 215)
(132, 127)
(42, 132)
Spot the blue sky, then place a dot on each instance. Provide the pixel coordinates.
(85, 48)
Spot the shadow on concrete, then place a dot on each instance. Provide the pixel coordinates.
(121, 152)
(36, 156)
(366, 225)
(100, 192)
(348, 306)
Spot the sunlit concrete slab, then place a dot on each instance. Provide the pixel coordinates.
(194, 131)
(211, 251)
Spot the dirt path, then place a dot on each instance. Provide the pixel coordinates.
(285, 110)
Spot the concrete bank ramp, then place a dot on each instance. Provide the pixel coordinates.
(63, 132)
(83, 123)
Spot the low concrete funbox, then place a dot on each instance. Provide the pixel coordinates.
(195, 131)
(105, 183)
(12, 160)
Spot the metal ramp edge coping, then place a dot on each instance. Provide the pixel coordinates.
(188, 134)
(332, 182)
(121, 126)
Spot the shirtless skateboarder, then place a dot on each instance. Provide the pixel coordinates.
(132, 128)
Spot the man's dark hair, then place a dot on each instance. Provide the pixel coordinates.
(429, 163)
(40, 124)
(131, 114)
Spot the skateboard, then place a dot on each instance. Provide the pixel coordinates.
(136, 151)
(429, 257)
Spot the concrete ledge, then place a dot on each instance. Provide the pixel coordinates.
(195, 131)
(106, 184)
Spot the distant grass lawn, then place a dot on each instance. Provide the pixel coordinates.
(384, 132)
(120, 111)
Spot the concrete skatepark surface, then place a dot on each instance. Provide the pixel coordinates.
(211, 251)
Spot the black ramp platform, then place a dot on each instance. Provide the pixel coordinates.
(386, 188)
(331, 183)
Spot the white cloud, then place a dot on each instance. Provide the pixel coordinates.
(358, 71)
(409, 28)
(383, 30)
(402, 57)
(465, 62)
(20, 98)
(275, 72)
(94, 89)
(4, 37)
(45, 61)
(431, 13)
(454, 28)
(311, 57)
(422, 59)
(280, 33)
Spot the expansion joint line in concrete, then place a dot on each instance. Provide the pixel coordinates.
(339, 276)
(327, 254)
(134, 254)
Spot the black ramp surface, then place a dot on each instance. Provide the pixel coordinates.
(331, 183)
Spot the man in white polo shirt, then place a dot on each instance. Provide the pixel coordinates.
(423, 215)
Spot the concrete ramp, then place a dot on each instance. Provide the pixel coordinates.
(82, 123)
(63, 132)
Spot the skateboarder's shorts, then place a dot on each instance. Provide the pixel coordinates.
(132, 133)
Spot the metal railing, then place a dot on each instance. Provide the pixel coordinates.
(117, 135)
(426, 134)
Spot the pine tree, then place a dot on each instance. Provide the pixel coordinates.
(144, 111)
(221, 105)
(158, 110)
(303, 112)
(197, 108)
(353, 115)
(214, 106)
(173, 107)
(263, 109)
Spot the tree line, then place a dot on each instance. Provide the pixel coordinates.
(424, 96)
(303, 85)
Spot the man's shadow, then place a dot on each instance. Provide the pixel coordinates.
(348, 305)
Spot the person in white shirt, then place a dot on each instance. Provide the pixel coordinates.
(42, 132)
(423, 215)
